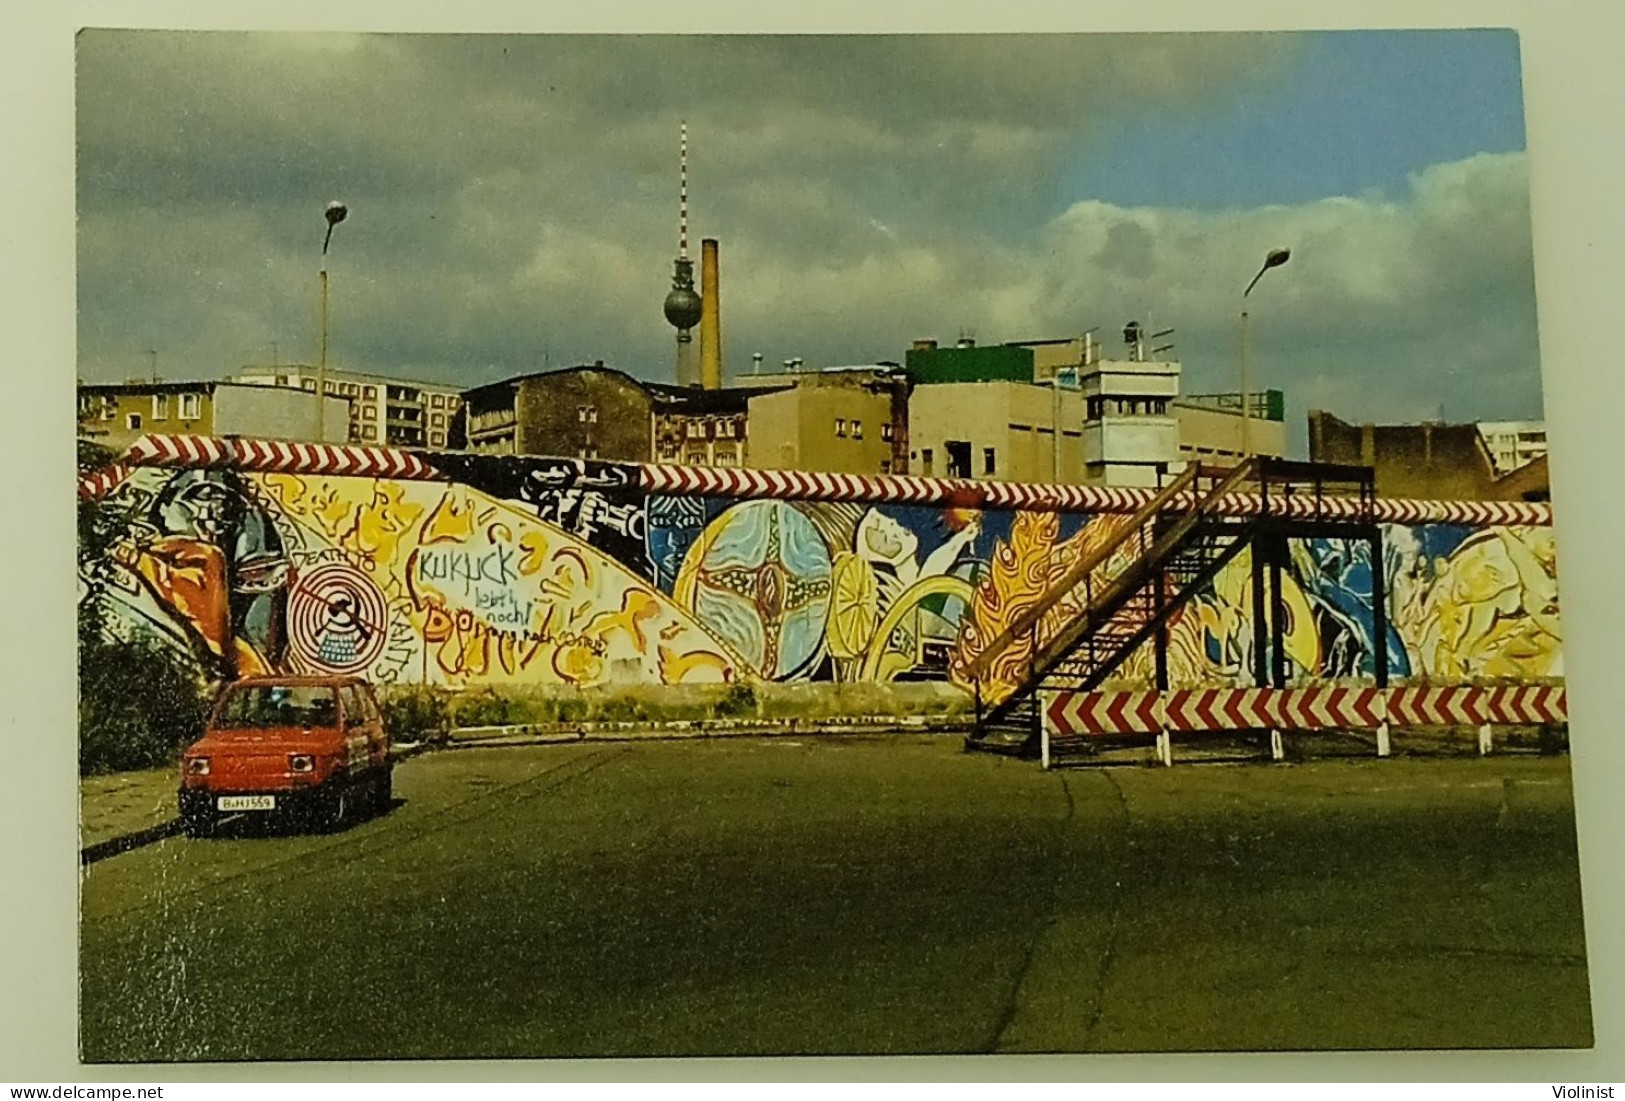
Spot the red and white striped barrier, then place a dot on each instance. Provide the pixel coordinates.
(1097, 713)
(1312, 707)
(187, 451)
(1527, 704)
(95, 486)
(278, 456)
(903, 489)
(708, 481)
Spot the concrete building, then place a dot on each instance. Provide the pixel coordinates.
(983, 411)
(115, 415)
(383, 409)
(1427, 460)
(1130, 434)
(999, 430)
(848, 420)
(1513, 443)
(1530, 482)
(700, 426)
(1210, 427)
(599, 412)
(1131, 426)
(589, 412)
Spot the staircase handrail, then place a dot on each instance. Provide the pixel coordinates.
(1079, 570)
(1133, 577)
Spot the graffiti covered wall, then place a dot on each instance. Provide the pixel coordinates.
(477, 571)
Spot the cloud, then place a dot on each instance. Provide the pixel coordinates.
(513, 204)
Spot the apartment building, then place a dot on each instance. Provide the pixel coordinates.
(383, 409)
(117, 414)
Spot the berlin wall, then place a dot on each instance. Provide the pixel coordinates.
(474, 571)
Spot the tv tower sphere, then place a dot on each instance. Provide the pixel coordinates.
(683, 307)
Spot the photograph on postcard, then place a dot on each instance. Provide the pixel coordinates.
(1084, 582)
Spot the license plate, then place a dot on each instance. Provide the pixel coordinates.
(246, 802)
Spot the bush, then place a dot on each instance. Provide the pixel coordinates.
(570, 709)
(739, 700)
(484, 708)
(416, 713)
(140, 704)
(619, 709)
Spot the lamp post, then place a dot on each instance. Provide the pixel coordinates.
(335, 213)
(1275, 258)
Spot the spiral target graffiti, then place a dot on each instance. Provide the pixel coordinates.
(337, 619)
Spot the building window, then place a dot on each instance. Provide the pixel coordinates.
(588, 453)
(160, 407)
(886, 432)
(308, 384)
(133, 422)
(191, 407)
(695, 430)
(370, 393)
(437, 420)
(840, 428)
(857, 430)
(925, 461)
(437, 400)
(282, 380)
(958, 458)
(725, 430)
(452, 401)
(725, 458)
(369, 412)
(437, 438)
(885, 466)
(696, 458)
(988, 464)
(369, 432)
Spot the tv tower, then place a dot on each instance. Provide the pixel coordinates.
(683, 305)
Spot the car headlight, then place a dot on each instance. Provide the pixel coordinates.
(301, 762)
(197, 766)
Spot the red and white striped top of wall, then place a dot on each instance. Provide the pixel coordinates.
(702, 481)
(264, 456)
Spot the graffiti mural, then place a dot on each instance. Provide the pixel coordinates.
(598, 502)
(1463, 605)
(518, 570)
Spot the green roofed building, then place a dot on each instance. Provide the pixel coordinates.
(966, 362)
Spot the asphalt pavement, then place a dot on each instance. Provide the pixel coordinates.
(855, 895)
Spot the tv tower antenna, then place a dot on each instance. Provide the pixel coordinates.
(683, 305)
(682, 192)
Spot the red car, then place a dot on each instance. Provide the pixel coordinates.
(313, 748)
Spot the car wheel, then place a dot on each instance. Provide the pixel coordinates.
(337, 808)
(199, 823)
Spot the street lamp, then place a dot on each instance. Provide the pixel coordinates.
(1274, 259)
(335, 213)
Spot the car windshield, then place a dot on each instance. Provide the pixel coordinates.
(278, 705)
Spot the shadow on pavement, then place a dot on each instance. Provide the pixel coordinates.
(237, 826)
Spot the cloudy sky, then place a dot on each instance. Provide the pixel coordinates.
(514, 203)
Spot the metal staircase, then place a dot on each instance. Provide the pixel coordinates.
(1179, 541)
